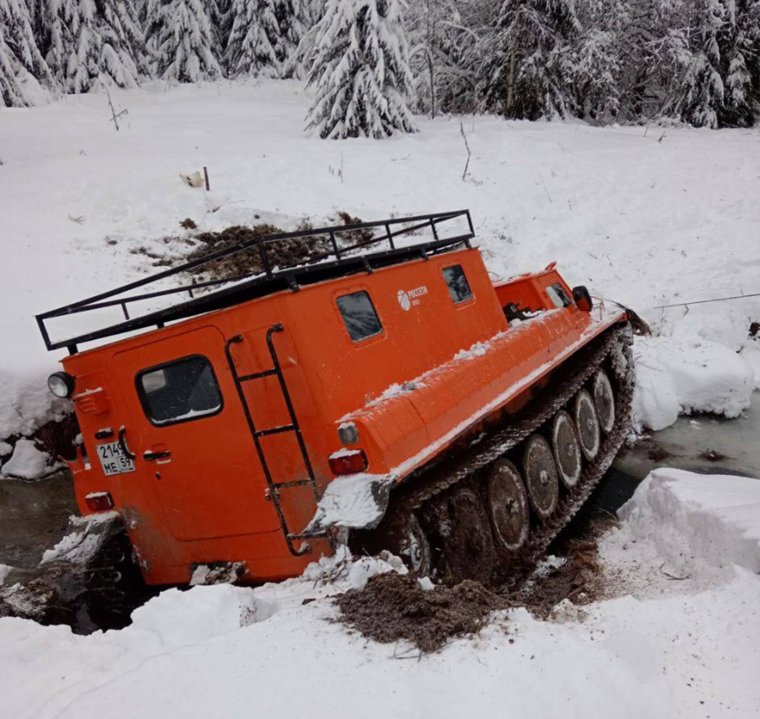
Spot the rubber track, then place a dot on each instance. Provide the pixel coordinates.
(422, 489)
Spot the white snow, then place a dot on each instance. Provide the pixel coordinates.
(26, 462)
(345, 452)
(667, 648)
(4, 572)
(696, 519)
(750, 353)
(82, 540)
(356, 500)
(677, 376)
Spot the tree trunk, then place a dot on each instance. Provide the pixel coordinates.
(510, 84)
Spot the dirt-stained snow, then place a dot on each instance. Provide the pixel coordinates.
(682, 639)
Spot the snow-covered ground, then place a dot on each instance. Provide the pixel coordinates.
(681, 640)
(642, 215)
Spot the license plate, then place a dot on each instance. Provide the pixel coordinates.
(113, 460)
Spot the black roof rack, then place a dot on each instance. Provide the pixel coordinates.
(344, 253)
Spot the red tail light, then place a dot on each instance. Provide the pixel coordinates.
(99, 501)
(348, 461)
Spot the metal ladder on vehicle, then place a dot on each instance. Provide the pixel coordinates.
(257, 434)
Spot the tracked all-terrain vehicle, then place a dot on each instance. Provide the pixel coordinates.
(383, 391)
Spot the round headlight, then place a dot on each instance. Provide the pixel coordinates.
(61, 384)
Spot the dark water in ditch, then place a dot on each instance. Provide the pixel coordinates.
(703, 444)
(33, 517)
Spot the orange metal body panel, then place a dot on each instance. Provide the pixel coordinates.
(209, 502)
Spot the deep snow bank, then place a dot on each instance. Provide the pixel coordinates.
(684, 376)
(697, 519)
(221, 650)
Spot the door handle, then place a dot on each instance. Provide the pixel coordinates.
(123, 444)
(153, 456)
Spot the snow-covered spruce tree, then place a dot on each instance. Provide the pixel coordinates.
(740, 51)
(312, 12)
(122, 48)
(701, 95)
(527, 72)
(149, 12)
(597, 59)
(360, 71)
(71, 43)
(220, 14)
(181, 39)
(655, 52)
(264, 38)
(22, 67)
(293, 20)
(251, 46)
(90, 41)
(442, 56)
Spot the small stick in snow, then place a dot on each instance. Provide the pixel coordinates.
(673, 576)
(115, 115)
(205, 176)
(543, 184)
(467, 147)
(663, 136)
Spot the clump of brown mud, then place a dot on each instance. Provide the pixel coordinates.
(576, 578)
(392, 607)
(257, 258)
(262, 256)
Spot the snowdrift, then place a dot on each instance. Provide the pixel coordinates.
(677, 376)
(220, 650)
(697, 519)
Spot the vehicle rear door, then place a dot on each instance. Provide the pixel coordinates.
(188, 431)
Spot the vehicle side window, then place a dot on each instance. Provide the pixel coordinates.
(179, 391)
(359, 315)
(558, 296)
(456, 281)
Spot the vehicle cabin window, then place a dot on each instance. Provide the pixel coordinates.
(179, 391)
(456, 281)
(558, 296)
(359, 315)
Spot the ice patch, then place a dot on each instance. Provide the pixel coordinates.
(27, 461)
(5, 570)
(683, 376)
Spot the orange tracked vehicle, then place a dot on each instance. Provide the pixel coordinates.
(383, 391)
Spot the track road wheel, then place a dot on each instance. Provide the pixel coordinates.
(414, 547)
(508, 505)
(587, 424)
(468, 542)
(567, 449)
(541, 476)
(604, 401)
